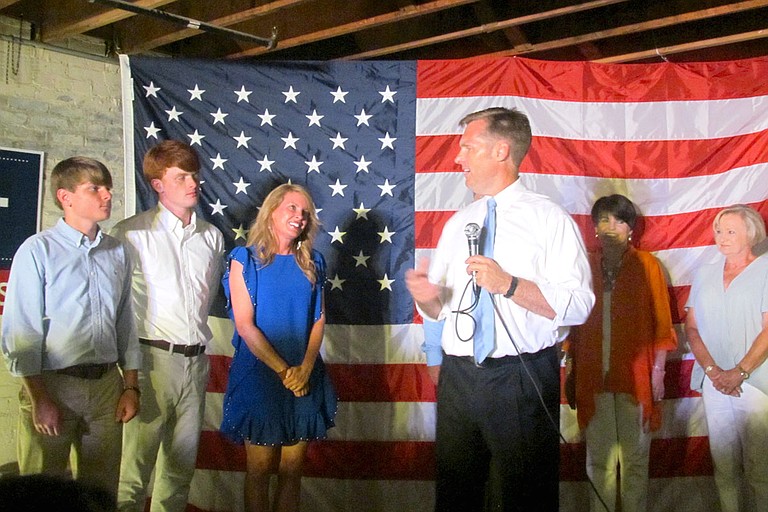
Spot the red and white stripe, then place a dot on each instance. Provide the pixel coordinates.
(681, 140)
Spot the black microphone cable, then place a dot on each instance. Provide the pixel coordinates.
(539, 394)
(467, 311)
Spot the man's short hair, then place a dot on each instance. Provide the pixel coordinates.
(170, 153)
(507, 123)
(72, 172)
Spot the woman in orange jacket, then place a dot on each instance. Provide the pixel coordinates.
(619, 356)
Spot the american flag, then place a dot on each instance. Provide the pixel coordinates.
(374, 143)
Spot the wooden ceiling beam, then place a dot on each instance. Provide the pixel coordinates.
(411, 11)
(146, 36)
(687, 47)
(73, 17)
(484, 29)
(666, 21)
(7, 3)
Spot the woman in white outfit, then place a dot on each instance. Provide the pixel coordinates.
(727, 329)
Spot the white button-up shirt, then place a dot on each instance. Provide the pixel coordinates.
(176, 274)
(536, 240)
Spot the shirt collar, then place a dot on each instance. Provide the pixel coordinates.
(172, 222)
(76, 237)
(507, 196)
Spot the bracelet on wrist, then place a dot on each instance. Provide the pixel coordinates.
(744, 374)
(132, 388)
(709, 368)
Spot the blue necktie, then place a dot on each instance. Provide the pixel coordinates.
(485, 329)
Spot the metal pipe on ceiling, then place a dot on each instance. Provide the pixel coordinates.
(270, 42)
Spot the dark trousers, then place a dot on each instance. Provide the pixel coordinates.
(492, 420)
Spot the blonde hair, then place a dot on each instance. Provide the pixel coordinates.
(265, 242)
(750, 216)
(74, 171)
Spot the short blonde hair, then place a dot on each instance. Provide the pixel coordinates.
(750, 216)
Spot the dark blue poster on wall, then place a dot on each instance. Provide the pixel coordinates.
(21, 186)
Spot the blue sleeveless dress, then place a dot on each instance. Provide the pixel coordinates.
(257, 407)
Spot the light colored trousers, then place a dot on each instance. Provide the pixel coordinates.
(88, 430)
(166, 433)
(616, 442)
(738, 442)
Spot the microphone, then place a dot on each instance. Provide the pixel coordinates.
(472, 231)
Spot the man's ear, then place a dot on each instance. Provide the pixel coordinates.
(63, 195)
(501, 150)
(156, 185)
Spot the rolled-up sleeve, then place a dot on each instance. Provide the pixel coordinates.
(24, 322)
(566, 283)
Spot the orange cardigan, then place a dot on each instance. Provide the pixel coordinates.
(641, 324)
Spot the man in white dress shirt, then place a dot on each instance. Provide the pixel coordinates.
(492, 393)
(178, 259)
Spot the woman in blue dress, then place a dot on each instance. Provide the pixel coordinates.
(278, 395)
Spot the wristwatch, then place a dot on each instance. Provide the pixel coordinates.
(512, 288)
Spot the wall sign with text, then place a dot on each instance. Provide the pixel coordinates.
(21, 189)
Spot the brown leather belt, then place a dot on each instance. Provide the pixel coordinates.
(87, 371)
(186, 350)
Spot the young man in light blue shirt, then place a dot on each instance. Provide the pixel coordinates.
(68, 330)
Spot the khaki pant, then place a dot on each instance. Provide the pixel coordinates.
(89, 432)
(165, 434)
(615, 439)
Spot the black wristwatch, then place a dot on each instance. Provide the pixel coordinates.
(512, 288)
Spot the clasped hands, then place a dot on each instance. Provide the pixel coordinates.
(296, 379)
(728, 382)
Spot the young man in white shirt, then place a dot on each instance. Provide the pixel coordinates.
(178, 259)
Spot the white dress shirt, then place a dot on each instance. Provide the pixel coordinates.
(536, 240)
(175, 274)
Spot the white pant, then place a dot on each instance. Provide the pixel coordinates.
(166, 432)
(615, 439)
(738, 441)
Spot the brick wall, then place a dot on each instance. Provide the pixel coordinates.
(63, 104)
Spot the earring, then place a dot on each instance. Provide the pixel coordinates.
(629, 238)
(596, 235)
